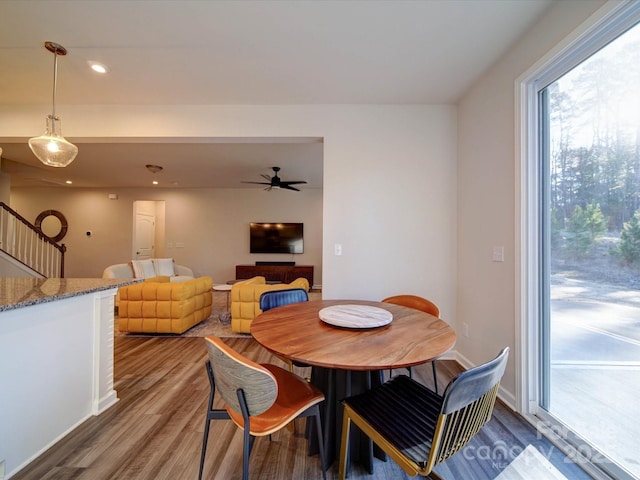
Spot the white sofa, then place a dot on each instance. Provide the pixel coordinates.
(176, 273)
(125, 270)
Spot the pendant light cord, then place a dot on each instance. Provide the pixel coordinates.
(56, 49)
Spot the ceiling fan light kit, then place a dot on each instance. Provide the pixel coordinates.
(276, 182)
(153, 168)
(51, 148)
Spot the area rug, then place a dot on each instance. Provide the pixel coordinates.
(530, 464)
(213, 326)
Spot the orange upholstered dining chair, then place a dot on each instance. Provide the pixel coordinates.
(259, 398)
(417, 303)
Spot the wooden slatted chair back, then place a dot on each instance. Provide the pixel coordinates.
(233, 372)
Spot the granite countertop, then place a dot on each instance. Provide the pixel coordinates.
(23, 292)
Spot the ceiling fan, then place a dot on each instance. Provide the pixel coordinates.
(275, 181)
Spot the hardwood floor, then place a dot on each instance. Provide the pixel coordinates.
(155, 430)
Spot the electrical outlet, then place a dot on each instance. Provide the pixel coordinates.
(498, 254)
(337, 249)
(465, 329)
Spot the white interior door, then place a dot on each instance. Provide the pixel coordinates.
(143, 236)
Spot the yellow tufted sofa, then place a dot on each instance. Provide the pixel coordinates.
(245, 299)
(160, 306)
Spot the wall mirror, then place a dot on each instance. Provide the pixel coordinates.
(53, 224)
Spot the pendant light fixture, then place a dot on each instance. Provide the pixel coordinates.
(51, 147)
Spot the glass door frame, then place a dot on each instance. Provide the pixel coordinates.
(532, 286)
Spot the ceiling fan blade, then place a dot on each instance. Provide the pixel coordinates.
(296, 182)
(288, 187)
(258, 183)
(266, 177)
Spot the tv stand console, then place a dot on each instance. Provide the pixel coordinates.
(279, 273)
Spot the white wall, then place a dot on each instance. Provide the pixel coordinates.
(389, 193)
(212, 224)
(12, 268)
(5, 186)
(487, 191)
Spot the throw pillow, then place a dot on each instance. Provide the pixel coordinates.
(164, 267)
(143, 268)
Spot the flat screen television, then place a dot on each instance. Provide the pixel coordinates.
(276, 238)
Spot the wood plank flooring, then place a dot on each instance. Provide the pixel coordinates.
(155, 431)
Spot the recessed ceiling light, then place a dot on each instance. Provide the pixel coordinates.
(155, 182)
(68, 182)
(98, 67)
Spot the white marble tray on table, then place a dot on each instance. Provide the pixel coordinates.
(355, 316)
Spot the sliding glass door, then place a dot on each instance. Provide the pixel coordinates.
(589, 194)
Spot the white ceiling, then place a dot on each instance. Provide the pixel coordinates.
(243, 52)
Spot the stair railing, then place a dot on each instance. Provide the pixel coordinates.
(27, 244)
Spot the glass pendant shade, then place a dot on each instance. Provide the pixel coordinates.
(51, 147)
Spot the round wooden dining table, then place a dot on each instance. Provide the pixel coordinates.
(338, 354)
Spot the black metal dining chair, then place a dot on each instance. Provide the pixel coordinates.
(259, 398)
(415, 426)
